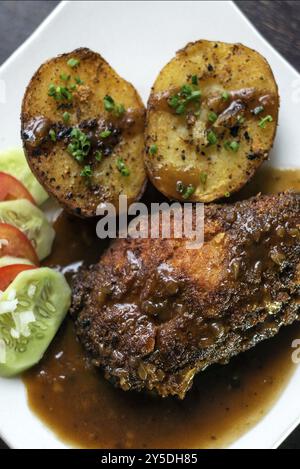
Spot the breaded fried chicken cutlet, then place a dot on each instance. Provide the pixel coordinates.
(153, 313)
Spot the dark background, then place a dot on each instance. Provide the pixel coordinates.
(278, 21)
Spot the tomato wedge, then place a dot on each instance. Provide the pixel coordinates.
(9, 273)
(14, 243)
(12, 189)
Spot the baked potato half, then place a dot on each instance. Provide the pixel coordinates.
(83, 132)
(211, 121)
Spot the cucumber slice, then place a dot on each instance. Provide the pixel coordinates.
(32, 221)
(13, 162)
(9, 260)
(31, 311)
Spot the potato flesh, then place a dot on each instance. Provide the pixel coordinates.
(183, 153)
(58, 171)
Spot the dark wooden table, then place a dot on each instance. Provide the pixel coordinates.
(278, 21)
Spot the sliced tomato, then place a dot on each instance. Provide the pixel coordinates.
(14, 243)
(9, 273)
(12, 189)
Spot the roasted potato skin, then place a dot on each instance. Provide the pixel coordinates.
(181, 156)
(51, 162)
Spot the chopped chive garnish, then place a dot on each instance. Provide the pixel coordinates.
(190, 189)
(109, 103)
(59, 92)
(66, 117)
(180, 109)
(194, 80)
(203, 178)
(258, 110)
(187, 94)
(73, 62)
(111, 106)
(212, 138)
(174, 101)
(227, 194)
(212, 117)
(80, 145)
(233, 146)
(79, 81)
(195, 95)
(186, 90)
(105, 133)
(98, 155)
(51, 90)
(153, 149)
(240, 119)
(119, 109)
(64, 77)
(122, 167)
(52, 135)
(225, 95)
(87, 171)
(264, 120)
(185, 191)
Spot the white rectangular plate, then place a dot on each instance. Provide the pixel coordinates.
(137, 39)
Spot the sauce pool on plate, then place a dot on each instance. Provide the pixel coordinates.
(84, 410)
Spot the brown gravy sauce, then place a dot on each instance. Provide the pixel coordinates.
(244, 102)
(36, 132)
(85, 410)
